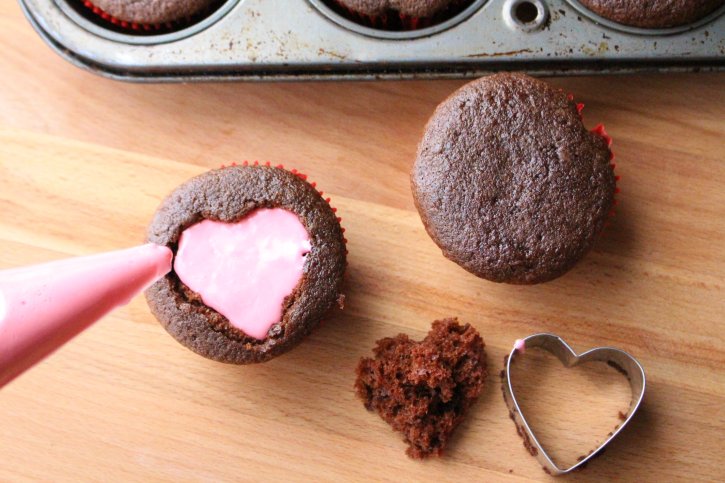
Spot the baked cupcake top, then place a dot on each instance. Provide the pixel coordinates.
(251, 206)
(152, 12)
(509, 183)
(412, 8)
(653, 13)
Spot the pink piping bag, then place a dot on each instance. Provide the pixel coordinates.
(44, 306)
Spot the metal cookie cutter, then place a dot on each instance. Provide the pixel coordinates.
(620, 360)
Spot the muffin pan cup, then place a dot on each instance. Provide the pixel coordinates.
(305, 40)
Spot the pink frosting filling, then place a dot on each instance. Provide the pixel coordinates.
(245, 270)
(520, 346)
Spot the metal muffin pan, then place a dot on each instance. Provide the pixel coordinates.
(306, 40)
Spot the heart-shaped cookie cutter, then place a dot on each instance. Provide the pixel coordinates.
(620, 360)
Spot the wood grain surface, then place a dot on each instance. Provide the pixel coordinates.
(84, 161)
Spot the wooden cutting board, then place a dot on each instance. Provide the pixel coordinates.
(84, 161)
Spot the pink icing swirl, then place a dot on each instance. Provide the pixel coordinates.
(245, 270)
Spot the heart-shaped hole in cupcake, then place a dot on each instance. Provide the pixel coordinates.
(245, 270)
(571, 411)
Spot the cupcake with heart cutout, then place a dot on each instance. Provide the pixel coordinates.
(259, 260)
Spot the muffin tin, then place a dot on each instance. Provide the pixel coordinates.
(308, 40)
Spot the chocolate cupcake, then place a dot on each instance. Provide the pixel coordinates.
(653, 14)
(163, 15)
(509, 183)
(259, 259)
(425, 389)
(412, 8)
(399, 14)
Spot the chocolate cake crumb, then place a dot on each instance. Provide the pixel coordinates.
(622, 416)
(618, 368)
(425, 389)
(533, 450)
(586, 464)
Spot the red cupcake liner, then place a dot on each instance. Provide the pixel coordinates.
(600, 131)
(395, 21)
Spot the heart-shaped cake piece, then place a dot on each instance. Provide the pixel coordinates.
(425, 389)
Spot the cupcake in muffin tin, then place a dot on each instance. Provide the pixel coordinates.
(146, 17)
(410, 8)
(398, 15)
(653, 14)
(165, 16)
(152, 12)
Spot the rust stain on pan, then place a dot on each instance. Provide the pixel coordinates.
(503, 54)
(332, 54)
